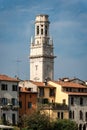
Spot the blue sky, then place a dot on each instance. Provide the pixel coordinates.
(68, 28)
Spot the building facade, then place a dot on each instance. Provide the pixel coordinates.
(27, 98)
(46, 101)
(41, 51)
(9, 99)
(74, 95)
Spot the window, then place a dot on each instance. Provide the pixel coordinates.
(14, 101)
(41, 31)
(4, 87)
(73, 114)
(86, 116)
(70, 89)
(70, 114)
(79, 89)
(61, 115)
(66, 89)
(51, 93)
(72, 101)
(20, 104)
(45, 30)
(14, 87)
(29, 105)
(4, 118)
(37, 30)
(80, 127)
(13, 119)
(81, 101)
(41, 92)
(4, 101)
(45, 101)
(58, 115)
(81, 115)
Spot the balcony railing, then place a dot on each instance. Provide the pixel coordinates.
(53, 106)
(10, 107)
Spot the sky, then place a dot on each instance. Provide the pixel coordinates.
(68, 28)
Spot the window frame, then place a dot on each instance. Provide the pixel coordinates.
(4, 87)
(14, 87)
(29, 105)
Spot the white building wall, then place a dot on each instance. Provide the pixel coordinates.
(28, 84)
(76, 108)
(9, 94)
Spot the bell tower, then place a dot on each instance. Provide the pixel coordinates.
(41, 51)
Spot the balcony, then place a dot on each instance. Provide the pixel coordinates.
(9, 107)
(53, 106)
(58, 106)
(15, 108)
(4, 107)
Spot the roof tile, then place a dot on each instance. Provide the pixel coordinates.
(7, 78)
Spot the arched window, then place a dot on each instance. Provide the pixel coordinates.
(81, 115)
(37, 30)
(45, 30)
(41, 31)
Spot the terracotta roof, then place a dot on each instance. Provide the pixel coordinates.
(7, 78)
(42, 84)
(70, 84)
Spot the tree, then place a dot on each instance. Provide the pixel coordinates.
(38, 121)
(65, 125)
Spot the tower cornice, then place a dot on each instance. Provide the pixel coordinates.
(42, 56)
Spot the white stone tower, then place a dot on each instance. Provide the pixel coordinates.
(41, 51)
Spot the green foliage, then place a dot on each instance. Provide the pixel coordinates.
(65, 125)
(38, 121)
(23, 121)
